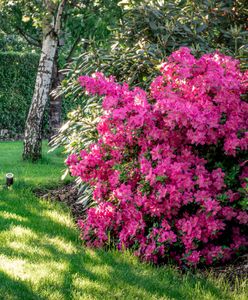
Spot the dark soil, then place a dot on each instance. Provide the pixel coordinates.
(68, 194)
(236, 269)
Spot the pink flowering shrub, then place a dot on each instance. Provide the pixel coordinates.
(168, 172)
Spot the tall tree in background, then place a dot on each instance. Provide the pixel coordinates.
(51, 30)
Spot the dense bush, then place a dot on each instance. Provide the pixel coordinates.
(17, 79)
(168, 171)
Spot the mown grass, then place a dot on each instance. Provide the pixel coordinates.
(42, 257)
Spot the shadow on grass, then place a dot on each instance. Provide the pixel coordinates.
(15, 289)
(85, 273)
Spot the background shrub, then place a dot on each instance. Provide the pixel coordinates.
(17, 79)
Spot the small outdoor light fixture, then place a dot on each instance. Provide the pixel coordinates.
(9, 179)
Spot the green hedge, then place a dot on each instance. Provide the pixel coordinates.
(17, 79)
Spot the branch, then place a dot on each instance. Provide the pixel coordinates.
(57, 25)
(68, 58)
(31, 40)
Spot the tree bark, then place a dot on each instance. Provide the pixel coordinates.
(55, 108)
(32, 134)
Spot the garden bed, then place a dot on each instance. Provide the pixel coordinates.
(67, 194)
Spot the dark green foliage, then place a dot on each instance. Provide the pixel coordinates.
(17, 79)
(11, 42)
(148, 31)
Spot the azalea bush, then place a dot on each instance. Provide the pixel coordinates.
(169, 168)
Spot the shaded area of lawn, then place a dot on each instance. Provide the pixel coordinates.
(41, 256)
(27, 175)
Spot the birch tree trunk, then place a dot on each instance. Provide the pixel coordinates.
(32, 135)
(55, 109)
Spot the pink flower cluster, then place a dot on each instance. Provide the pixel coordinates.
(154, 191)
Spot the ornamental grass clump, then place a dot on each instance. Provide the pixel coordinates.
(168, 172)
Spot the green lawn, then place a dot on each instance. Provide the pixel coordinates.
(41, 255)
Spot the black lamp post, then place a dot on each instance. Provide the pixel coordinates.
(9, 179)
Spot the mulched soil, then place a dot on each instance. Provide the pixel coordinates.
(68, 194)
(231, 271)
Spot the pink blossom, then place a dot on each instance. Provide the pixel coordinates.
(193, 258)
(156, 187)
(243, 217)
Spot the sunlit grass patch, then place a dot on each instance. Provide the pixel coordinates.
(11, 216)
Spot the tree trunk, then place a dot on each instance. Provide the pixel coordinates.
(55, 108)
(32, 134)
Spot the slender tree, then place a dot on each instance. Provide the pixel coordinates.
(51, 30)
